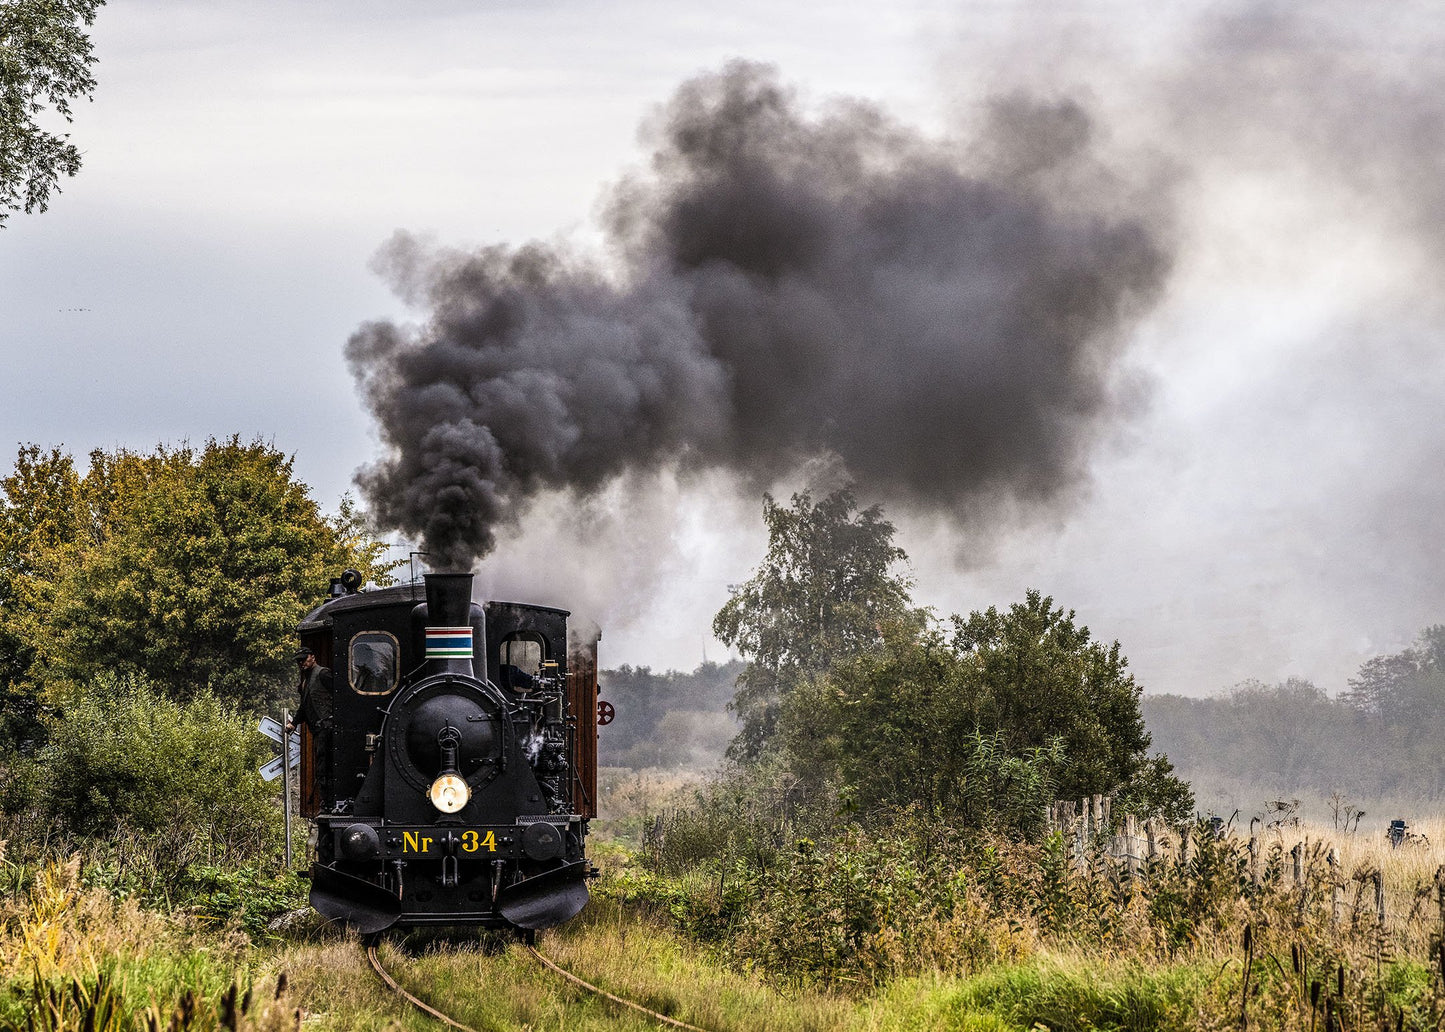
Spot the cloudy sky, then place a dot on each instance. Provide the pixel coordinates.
(1264, 499)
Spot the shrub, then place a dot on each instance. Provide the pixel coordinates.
(1155, 790)
(867, 909)
(122, 755)
(747, 814)
(250, 895)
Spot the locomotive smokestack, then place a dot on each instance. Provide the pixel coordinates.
(452, 637)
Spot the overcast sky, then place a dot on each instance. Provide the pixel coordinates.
(1271, 506)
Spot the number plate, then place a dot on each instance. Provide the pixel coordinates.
(430, 843)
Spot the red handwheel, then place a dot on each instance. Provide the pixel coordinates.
(605, 712)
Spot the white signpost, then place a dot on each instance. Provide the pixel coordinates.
(282, 765)
(274, 730)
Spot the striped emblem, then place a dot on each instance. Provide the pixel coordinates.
(448, 643)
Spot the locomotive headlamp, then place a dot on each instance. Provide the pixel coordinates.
(449, 793)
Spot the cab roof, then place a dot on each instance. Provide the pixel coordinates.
(397, 594)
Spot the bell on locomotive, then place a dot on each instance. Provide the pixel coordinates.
(456, 775)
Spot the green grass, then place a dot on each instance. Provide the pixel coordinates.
(1061, 995)
(495, 985)
(502, 987)
(132, 982)
(628, 941)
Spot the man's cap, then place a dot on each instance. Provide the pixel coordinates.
(301, 654)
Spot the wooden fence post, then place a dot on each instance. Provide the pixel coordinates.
(1380, 896)
(1298, 853)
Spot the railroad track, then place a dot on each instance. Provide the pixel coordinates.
(424, 1007)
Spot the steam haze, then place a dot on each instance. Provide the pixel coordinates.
(1276, 511)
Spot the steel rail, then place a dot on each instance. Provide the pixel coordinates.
(663, 1018)
(425, 1008)
(419, 1004)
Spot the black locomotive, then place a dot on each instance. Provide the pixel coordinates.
(456, 780)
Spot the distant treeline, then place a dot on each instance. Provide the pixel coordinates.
(672, 719)
(1383, 738)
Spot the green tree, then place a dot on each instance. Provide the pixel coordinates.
(896, 726)
(1156, 790)
(986, 725)
(1041, 676)
(822, 593)
(190, 567)
(45, 61)
(853, 694)
(1404, 688)
(1401, 698)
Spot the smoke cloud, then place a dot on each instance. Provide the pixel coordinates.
(944, 317)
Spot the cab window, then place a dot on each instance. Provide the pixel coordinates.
(522, 658)
(375, 663)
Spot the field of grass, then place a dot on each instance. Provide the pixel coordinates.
(1352, 858)
(1021, 940)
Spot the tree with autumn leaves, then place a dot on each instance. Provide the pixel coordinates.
(187, 566)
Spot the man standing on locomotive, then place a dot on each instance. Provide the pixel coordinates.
(314, 711)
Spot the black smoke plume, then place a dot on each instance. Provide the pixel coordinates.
(943, 316)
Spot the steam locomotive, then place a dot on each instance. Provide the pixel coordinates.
(459, 772)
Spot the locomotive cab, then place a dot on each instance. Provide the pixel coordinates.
(456, 780)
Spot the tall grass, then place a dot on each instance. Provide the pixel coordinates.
(1196, 938)
(1338, 867)
(629, 800)
(73, 956)
(898, 926)
(1408, 869)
